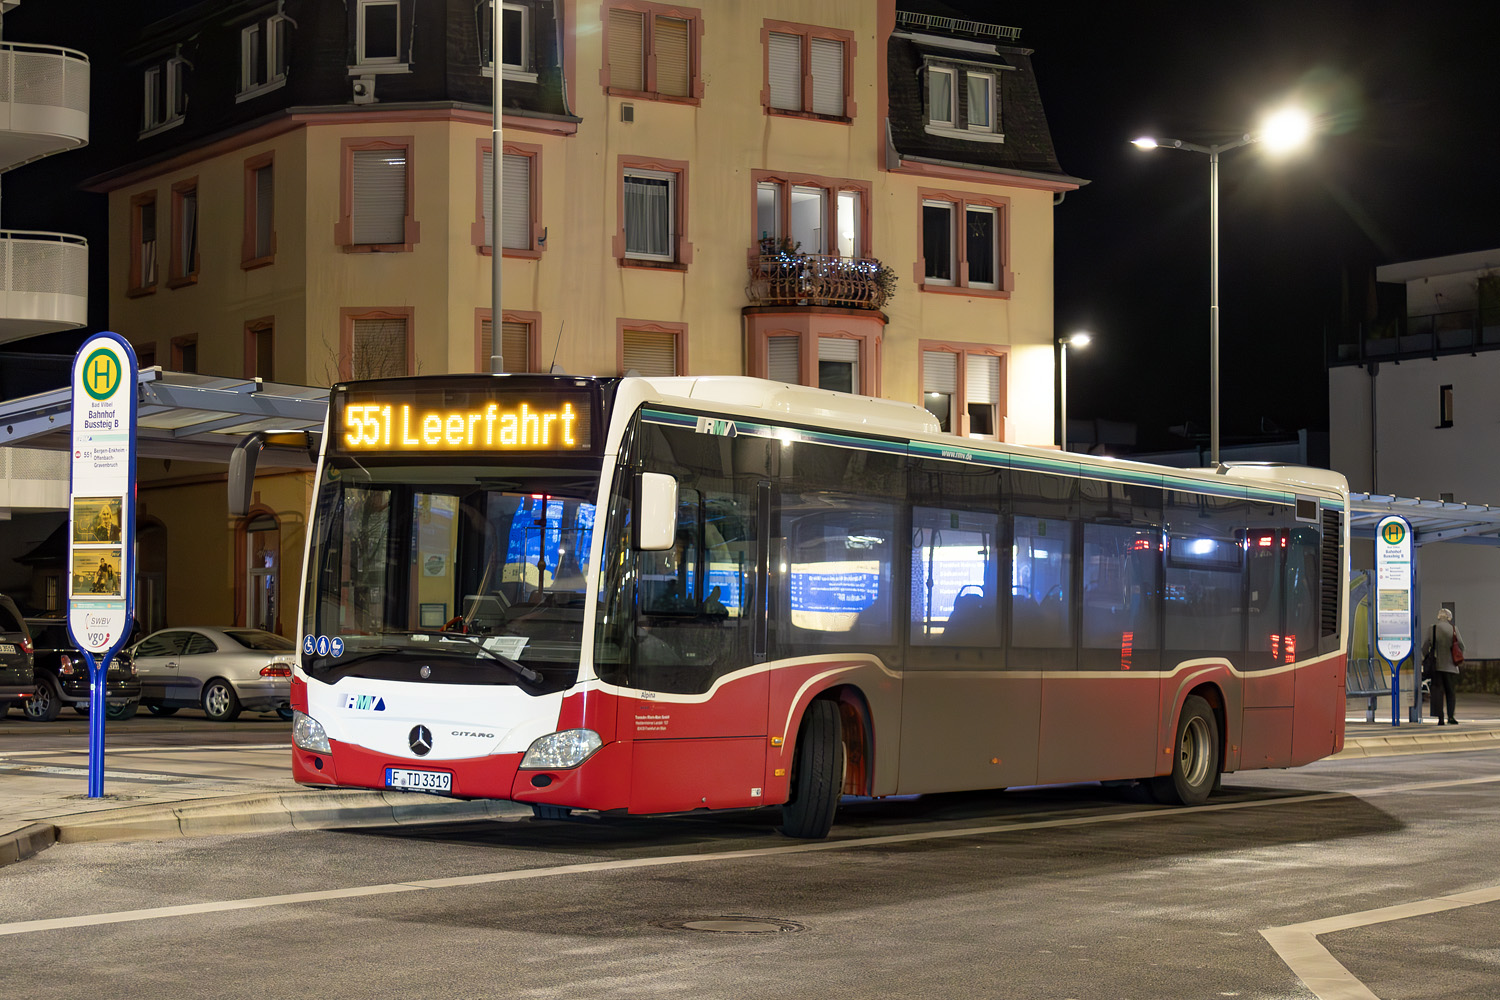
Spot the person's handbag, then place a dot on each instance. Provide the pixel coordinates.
(1456, 651)
(1429, 658)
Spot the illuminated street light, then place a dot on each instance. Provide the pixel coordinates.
(1079, 339)
(1282, 131)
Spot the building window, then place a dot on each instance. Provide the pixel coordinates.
(516, 43)
(377, 33)
(962, 386)
(818, 215)
(973, 258)
(375, 343)
(653, 349)
(185, 354)
(258, 247)
(653, 214)
(838, 364)
(1445, 406)
(981, 108)
(184, 262)
(377, 196)
(940, 102)
(145, 355)
(164, 95)
(263, 56)
(517, 341)
(807, 71)
(260, 349)
(521, 200)
(142, 244)
(784, 359)
(963, 102)
(651, 51)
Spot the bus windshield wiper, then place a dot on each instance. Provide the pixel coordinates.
(520, 670)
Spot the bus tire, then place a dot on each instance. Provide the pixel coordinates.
(817, 773)
(1195, 762)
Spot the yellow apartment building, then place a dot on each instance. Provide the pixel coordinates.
(855, 194)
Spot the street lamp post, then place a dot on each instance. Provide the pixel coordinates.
(1079, 339)
(1284, 130)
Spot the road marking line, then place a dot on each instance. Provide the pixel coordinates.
(1310, 961)
(460, 881)
(74, 772)
(173, 749)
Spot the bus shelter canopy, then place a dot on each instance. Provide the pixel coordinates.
(183, 416)
(1430, 520)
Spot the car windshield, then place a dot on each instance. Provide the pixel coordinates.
(458, 569)
(254, 638)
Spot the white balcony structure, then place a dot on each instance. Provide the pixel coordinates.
(44, 102)
(44, 109)
(44, 283)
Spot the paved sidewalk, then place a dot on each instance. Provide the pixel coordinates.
(42, 804)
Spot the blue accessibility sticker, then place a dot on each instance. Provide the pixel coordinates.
(336, 646)
(309, 644)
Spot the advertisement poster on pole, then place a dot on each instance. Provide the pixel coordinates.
(101, 515)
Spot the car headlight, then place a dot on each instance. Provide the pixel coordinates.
(308, 733)
(559, 751)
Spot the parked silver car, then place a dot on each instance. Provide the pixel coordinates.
(223, 670)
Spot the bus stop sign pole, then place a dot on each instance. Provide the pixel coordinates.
(101, 520)
(1393, 605)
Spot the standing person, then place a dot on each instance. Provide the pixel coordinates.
(1440, 641)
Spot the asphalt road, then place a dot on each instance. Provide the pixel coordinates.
(1080, 892)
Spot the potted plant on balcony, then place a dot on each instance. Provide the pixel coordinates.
(779, 270)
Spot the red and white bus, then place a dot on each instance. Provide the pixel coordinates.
(662, 595)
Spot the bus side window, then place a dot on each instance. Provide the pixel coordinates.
(1302, 593)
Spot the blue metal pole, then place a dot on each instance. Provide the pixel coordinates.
(97, 673)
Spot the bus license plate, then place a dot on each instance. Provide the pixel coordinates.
(418, 781)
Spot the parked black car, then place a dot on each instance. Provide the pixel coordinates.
(16, 677)
(62, 676)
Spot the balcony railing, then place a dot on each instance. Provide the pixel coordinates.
(44, 283)
(44, 101)
(1416, 336)
(809, 279)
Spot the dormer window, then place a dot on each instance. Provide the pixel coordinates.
(164, 95)
(963, 100)
(263, 57)
(381, 31)
(516, 59)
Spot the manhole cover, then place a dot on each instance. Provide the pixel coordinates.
(742, 925)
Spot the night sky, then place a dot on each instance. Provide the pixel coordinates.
(1405, 169)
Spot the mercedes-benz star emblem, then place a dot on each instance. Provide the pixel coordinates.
(420, 740)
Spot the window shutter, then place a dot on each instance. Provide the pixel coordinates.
(487, 194)
(784, 65)
(828, 76)
(379, 182)
(673, 74)
(515, 345)
(515, 223)
(982, 379)
(650, 353)
(379, 349)
(838, 349)
(627, 63)
(515, 342)
(940, 372)
(264, 208)
(784, 360)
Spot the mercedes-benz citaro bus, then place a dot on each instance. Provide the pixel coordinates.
(653, 596)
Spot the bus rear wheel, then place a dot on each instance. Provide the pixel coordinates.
(817, 773)
(1195, 764)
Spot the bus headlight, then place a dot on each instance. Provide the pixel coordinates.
(308, 733)
(559, 751)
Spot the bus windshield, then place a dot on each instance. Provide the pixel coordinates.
(476, 574)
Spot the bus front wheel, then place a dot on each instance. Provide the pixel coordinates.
(817, 773)
(1195, 764)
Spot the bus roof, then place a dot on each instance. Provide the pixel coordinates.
(844, 411)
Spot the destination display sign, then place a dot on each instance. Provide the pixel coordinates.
(472, 422)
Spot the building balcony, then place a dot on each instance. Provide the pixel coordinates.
(44, 102)
(1462, 331)
(44, 283)
(805, 279)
